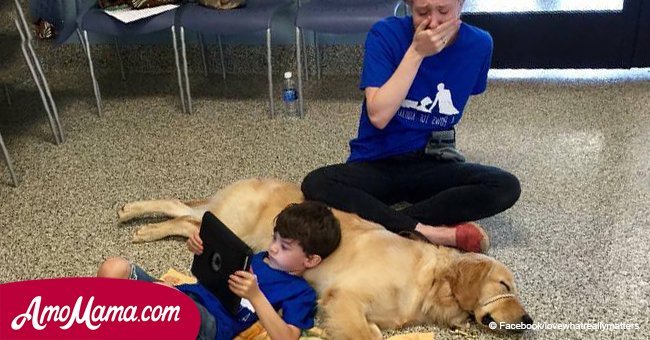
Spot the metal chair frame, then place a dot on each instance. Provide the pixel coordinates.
(35, 68)
(223, 68)
(85, 44)
(10, 165)
(300, 41)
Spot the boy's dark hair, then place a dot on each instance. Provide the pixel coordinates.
(312, 224)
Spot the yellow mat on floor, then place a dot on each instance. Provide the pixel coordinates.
(257, 332)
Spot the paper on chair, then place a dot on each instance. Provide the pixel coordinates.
(131, 15)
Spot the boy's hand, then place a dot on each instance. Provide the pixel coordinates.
(428, 42)
(194, 243)
(244, 284)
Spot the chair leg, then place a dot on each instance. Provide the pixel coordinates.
(84, 48)
(7, 94)
(81, 41)
(46, 86)
(187, 79)
(92, 74)
(270, 70)
(304, 53)
(9, 163)
(41, 74)
(37, 82)
(317, 52)
(119, 58)
(203, 57)
(301, 94)
(178, 69)
(48, 93)
(223, 63)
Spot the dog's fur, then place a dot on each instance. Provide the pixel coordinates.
(375, 280)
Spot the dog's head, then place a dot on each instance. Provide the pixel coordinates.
(486, 288)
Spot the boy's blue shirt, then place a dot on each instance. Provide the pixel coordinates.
(291, 293)
(461, 69)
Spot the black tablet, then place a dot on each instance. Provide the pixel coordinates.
(224, 253)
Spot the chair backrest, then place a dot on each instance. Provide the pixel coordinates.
(254, 3)
(70, 26)
(261, 2)
(344, 16)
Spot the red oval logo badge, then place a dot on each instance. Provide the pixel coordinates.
(95, 308)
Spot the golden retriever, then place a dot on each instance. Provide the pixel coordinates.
(375, 280)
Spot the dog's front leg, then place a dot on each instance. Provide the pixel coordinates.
(345, 318)
(179, 226)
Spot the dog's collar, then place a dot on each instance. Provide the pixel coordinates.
(497, 298)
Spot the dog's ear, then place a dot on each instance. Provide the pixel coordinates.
(466, 277)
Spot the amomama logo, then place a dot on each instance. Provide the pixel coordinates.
(92, 316)
(97, 308)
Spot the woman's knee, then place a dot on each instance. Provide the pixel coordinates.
(115, 267)
(509, 189)
(315, 183)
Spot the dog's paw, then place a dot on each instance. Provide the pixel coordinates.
(460, 325)
(125, 213)
(143, 234)
(375, 331)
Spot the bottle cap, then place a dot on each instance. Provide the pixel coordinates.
(287, 75)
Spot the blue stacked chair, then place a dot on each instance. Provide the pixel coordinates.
(95, 20)
(255, 16)
(337, 17)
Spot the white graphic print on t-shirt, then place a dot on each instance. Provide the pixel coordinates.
(443, 100)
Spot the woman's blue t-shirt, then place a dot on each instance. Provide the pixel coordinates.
(292, 294)
(439, 92)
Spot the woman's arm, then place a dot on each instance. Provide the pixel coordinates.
(383, 102)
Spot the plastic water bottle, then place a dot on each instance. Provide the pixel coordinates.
(290, 95)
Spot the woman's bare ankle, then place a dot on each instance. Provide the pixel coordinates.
(441, 235)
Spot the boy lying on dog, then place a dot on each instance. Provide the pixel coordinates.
(304, 234)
